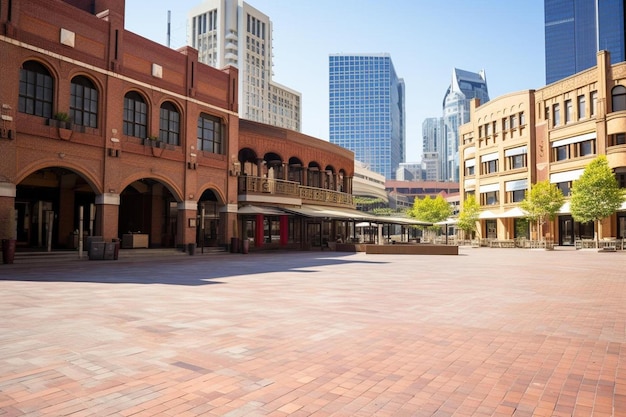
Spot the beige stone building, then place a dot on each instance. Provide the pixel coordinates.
(551, 133)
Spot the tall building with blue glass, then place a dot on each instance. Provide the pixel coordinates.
(575, 30)
(367, 110)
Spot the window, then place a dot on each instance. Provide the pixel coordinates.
(513, 122)
(36, 90)
(586, 148)
(84, 102)
(169, 125)
(517, 196)
(569, 111)
(517, 161)
(489, 199)
(581, 107)
(556, 115)
(618, 98)
(564, 187)
(561, 153)
(594, 103)
(522, 119)
(135, 115)
(617, 139)
(505, 124)
(621, 179)
(469, 170)
(489, 167)
(210, 134)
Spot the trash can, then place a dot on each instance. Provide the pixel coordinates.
(109, 251)
(96, 251)
(116, 252)
(191, 248)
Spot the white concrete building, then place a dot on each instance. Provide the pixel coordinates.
(231, 32)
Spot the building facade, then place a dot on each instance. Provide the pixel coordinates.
(367, 112)
(550, 134)
(575, 30)
(231, 32)
(106, 133)
(465, 87)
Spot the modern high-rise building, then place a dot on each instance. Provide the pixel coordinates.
(575, 30)
(465, 86)
(367, 112)
(432, 129)
(231, 32)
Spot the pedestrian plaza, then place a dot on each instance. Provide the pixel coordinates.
(490, 332)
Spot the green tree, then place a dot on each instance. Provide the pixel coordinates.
(542, 203)
(596, 194)
(431, 210)
(469, 215)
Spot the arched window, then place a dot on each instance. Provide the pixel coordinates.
(135, 115)
(618, 98)
(36, 90)
(169, 127)
(210, 134)
(84, 102)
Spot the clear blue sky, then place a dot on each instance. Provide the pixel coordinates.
(425, 39)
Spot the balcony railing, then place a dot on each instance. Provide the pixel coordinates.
(282, 188)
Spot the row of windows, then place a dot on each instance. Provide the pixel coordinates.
(574, 150)
(506, 123)
(36, 94)
(570, 116)
(491, 167)
(492, 198)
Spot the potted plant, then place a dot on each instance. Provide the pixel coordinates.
(63, 124)
(8, 245)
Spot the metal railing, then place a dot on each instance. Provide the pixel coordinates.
(257, 185)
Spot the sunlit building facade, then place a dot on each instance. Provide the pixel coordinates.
(231, 32)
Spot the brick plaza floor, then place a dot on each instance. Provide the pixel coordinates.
(491, 332)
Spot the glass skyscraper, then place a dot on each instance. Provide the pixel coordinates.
(367, 110)
(464, 87)
(575, 30)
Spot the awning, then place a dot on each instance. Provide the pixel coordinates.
(268, 211)
(487, 215)
(565, 208)
(402, 220)
(447, 222)
(514, 212)
(340, 213)
(366, 224)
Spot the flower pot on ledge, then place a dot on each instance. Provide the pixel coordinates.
(64, 133)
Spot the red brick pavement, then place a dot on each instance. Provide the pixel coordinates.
(491, 332)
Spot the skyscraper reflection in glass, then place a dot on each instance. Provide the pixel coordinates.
(367, 110)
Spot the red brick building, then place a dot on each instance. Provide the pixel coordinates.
(143, 140)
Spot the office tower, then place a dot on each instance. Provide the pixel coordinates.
(231, 32)
(465, 86)
(367, 110)
(575, 30)
(432, 128)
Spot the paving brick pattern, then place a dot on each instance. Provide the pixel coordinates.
(491, 332)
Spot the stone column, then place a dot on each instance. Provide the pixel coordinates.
(107, 216)
(186, 229)
(8, 228)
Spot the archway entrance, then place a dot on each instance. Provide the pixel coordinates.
(149, 210)
(48, 203)
(208, 225)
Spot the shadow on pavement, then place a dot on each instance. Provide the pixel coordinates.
(176, 270)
